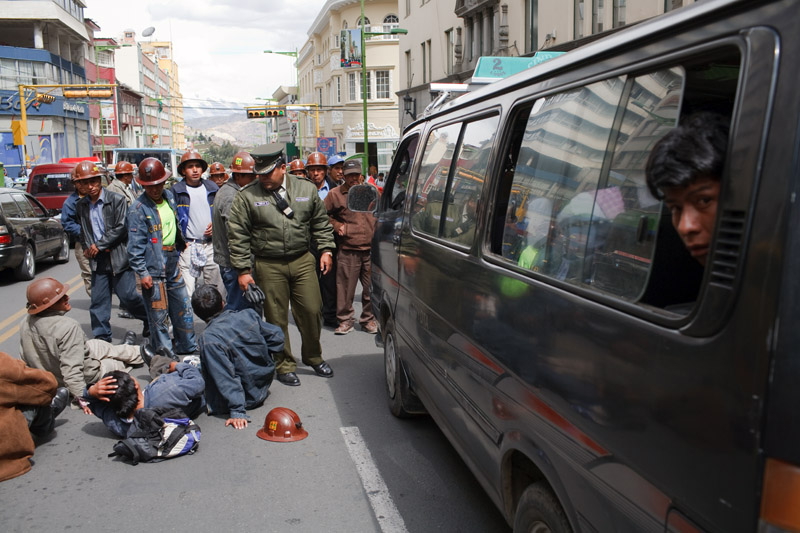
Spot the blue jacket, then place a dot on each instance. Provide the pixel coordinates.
(236, 360)
(182, 200)
(182, 389)
(145, 247)
(69, 216)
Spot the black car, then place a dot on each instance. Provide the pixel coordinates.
(29, 232)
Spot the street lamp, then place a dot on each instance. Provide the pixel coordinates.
(394, 31)
(410, 106)
(297, 83)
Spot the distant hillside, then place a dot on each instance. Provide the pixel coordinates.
(232, 127)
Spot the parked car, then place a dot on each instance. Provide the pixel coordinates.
(29, 232)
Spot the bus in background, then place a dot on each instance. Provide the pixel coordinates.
(168, 156)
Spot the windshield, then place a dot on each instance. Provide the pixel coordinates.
(52, 184)
(140, 155)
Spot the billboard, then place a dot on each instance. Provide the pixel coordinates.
(351, 48)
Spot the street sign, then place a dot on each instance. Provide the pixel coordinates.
(326, 145)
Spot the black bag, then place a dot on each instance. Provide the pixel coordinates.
(158, 434)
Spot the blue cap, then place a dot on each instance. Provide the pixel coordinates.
(334, 160)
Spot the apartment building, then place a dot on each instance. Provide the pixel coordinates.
(161, 53)
(445, 39)
(335, 89)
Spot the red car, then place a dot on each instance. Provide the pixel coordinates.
(51, 184)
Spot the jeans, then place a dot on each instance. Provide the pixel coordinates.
(177, 307)
(123, 284)
(235, 301)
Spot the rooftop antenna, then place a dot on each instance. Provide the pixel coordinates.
(147, 32)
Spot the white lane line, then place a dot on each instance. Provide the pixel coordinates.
(382, 505)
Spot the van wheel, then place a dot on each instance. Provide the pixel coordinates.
(394, 369)
(27, 268)
(62, 256)
(538, 511)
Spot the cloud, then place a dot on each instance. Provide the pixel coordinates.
(218, 44)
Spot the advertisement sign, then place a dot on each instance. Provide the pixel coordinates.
(491, 69)
(326, 145)
(351, 48)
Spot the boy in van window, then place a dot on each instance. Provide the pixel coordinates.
(684, 170)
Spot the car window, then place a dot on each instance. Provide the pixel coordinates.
(9, 206)
(27, 209)
(38, 209)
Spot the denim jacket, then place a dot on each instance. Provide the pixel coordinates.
(182, 389)
(236, 360)
(145, 247)
(182, 200)
(69, 216)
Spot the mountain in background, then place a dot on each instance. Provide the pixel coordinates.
(223, 121)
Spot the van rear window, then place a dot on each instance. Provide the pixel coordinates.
(59, 184)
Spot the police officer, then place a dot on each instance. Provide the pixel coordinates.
(277, 219)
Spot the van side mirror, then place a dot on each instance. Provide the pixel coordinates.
(362, 199)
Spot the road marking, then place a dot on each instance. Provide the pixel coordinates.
(379, 498)
(16, 316)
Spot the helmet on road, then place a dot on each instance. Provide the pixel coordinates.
(190, 156)
(216, 168)
(317, 159)
(297, 166)
(85, 170)
(282, 425)
(44, 293)
(124, 167)
(152, 172)
(243, 163)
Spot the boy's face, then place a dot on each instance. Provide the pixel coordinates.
(694, 212)
(192, 172)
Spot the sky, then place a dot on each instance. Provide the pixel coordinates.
(218, 44)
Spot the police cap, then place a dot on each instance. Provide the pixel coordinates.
(267, 157)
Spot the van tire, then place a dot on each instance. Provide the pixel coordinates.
(394, 372)
(62, 255)
(27, 268)
(538, 511)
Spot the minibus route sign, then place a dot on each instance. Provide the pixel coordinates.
(492, 68)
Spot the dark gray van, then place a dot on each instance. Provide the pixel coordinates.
(535, 299)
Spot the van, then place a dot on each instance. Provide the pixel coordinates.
(51, 183)
(535, 299)
(168, 156)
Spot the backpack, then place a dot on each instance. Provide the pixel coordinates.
(158, 434)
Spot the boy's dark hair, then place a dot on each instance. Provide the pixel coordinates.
(125, 399)
(206, 302)
(694, 148)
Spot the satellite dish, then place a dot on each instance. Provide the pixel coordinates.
(148, 31)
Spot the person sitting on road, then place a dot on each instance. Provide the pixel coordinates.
(117, 396)
(236, 356)
(30, 401)
(684, 169)
(56, 343)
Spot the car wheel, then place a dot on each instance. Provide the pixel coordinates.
(538, 511)
(27, 268)
(62, 256)
(394, 373)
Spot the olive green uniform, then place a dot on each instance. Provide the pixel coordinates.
(284, 267)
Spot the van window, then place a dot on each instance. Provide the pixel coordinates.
(573, 202)
(452, 175)
(54, 184)
(394, 192)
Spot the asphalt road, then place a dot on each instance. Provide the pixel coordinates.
(359, 470)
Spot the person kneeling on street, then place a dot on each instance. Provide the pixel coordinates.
(30, 401)
(116, 398)
(236, 356)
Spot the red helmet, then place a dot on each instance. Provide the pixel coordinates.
(188, 157)
(295, 165)
(44, 293)
(124, 167)
(282, 425)
(216, 168)
(152, 172)
(85, 170)
(317, 159)
(243, 163)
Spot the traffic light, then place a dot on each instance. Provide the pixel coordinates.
(76, 92)
(45, 98)
(264, 112)
(88, 92)
(101, 92)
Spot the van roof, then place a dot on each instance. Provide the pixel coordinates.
(623, 38)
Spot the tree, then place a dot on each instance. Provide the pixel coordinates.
(223, 154)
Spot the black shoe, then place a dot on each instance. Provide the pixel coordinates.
(147, 353)
(289, 378)
(124, 314)
(166, 352)
(130, 338)
(59, 401)
(146, 330)
(323, 369)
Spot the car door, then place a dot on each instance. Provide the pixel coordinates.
(36, 221)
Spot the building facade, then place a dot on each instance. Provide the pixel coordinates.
(445, 39)
(43, 42)
(161, 53)
(333, 87)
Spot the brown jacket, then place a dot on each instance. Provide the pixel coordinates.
(19, 385)
(358, 227)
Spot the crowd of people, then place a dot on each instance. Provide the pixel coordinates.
(238, 252)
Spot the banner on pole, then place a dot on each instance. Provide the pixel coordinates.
(351, 48)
